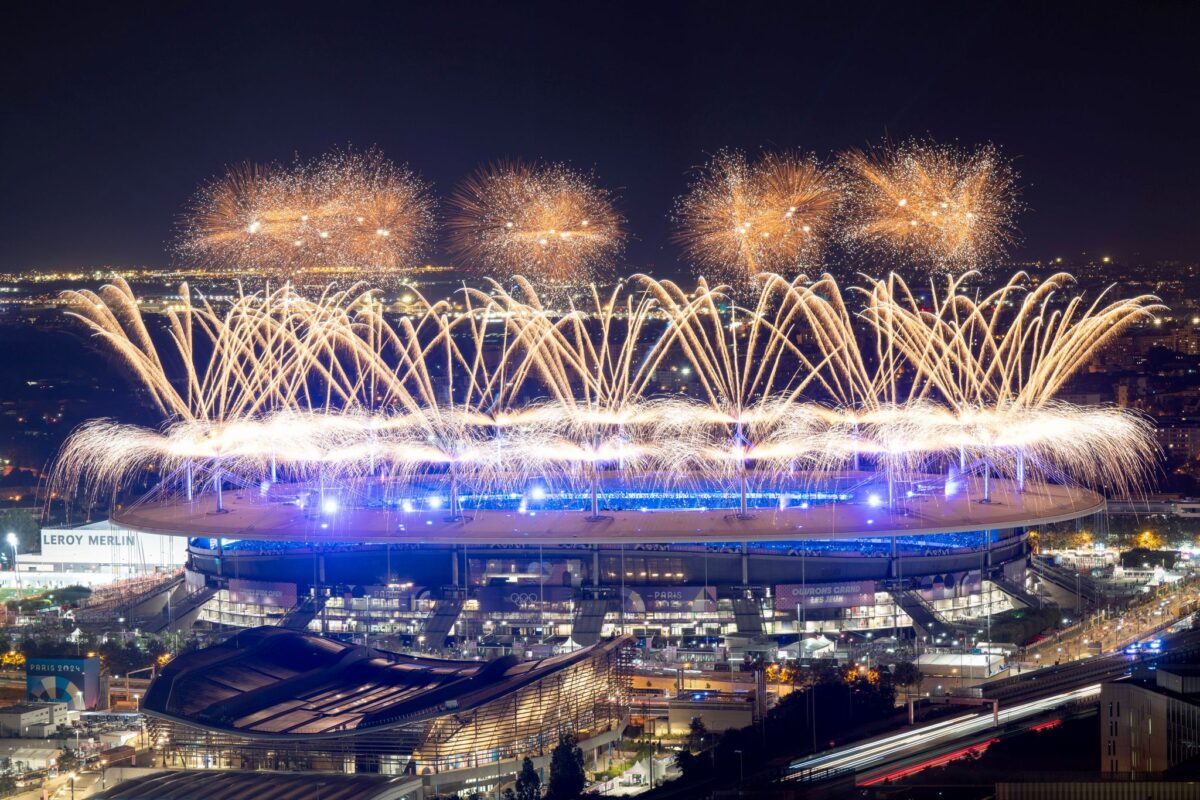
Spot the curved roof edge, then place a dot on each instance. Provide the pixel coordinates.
(275, 683)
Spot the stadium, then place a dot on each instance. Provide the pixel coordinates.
(834, 561)
(720, 473)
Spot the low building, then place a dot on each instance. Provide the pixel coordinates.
(95, 554)
(1149, 725)
(27, 755)
(972, 666)
(277, 699)
(33, 720)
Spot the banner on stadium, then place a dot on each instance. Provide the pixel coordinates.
(790, 596)
(262, 593)
(686, 599)
(515, 597)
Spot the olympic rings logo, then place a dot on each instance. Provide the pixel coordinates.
(522, 598)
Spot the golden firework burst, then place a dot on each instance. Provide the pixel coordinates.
(546, 221)
(939, 206)
(740, 219)
(346, 210)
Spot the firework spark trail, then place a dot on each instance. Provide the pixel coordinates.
(930, 204)
(740, 219)
(546, 221)
(332, 390)
(974, 353)
(347, 209)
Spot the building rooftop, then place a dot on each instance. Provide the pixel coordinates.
(236, 784)
(273, 682)
(23, 708)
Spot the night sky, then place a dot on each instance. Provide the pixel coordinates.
(113, 114)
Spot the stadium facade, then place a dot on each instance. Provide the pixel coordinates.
(541, 578)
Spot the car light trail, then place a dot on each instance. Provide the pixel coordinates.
(871, 753)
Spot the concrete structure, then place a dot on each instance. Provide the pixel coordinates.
(718, 713)
(1148, 726)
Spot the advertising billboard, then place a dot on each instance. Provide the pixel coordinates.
(791, 596)
(105, 543)
(280, 594)
(74, 681)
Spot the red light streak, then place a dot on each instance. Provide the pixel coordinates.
(936, 761)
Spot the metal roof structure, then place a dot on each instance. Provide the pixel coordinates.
(238, 784)
(278, 683)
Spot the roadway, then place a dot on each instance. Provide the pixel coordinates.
(1022, 698)
(885, 751)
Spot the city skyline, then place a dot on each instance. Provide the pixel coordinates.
(1083, 104)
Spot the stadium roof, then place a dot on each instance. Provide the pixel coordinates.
(272, 682)
(247, 515)
(234, 785)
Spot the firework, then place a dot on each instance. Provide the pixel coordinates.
(548, 222)
(332, 390)
(740, 219)
(930, 204)
(346, 210)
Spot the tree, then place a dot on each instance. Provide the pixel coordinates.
(696, 733)
(688, 762)
(566, 770)
(68, 761)
(529, 783)
(906, 674)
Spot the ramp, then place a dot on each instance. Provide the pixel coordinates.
(589, 620)
(747, 615)
(924, 619)
(305, 612)
(445, 614)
